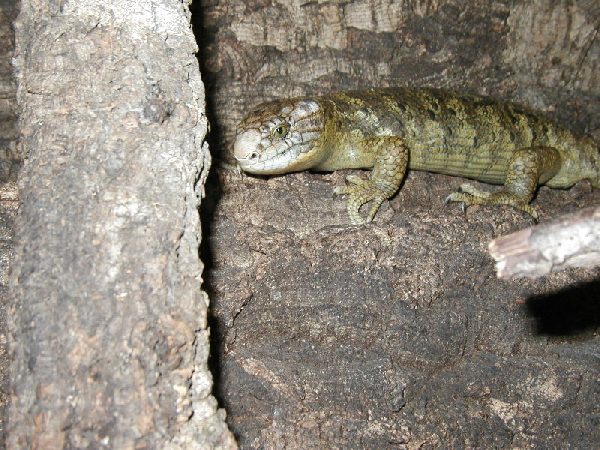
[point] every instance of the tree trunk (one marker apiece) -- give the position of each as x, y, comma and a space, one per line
10, 161
11, 157
108, 321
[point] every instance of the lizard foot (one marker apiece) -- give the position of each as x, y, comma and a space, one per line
361, 192
470, 195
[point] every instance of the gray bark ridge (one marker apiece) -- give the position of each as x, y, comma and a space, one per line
108, 320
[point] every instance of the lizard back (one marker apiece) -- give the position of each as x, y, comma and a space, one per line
456, 134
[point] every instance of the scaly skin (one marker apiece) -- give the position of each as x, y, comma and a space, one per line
390, 130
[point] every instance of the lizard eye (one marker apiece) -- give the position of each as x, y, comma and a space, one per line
280, 132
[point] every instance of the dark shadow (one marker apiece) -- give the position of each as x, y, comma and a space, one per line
213, 191
204, 38
207, 216
571, 312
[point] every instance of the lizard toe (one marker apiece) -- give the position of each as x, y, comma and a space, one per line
528, 209
360, 193
472, 196
467, 199
469, 189
342, 190
355, 179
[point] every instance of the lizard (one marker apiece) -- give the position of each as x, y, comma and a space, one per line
390, 130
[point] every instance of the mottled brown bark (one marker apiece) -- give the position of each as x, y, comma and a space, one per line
107, 323
10, 161
11, 155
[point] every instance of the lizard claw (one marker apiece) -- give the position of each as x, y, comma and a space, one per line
454, 197
449, 199
360, 192
469, 195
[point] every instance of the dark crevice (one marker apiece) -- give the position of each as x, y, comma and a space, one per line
214, 191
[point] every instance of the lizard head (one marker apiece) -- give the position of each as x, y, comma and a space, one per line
279, 137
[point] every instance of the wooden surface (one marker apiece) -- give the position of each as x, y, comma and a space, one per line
569, 241
107, 318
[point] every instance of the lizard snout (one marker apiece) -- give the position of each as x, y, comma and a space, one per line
246, 147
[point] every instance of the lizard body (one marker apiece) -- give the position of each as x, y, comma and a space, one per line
389, 130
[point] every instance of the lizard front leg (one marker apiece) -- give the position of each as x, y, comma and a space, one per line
527, 168
389, 169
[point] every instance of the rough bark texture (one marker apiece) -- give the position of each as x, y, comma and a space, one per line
10, 161
11, 156
569, 241
8, 210
397, 334
109, 338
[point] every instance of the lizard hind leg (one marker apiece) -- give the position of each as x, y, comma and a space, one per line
391, 160
527, 168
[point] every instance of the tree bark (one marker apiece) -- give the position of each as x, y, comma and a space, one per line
10, 161
569, 241
108, 321
11, 157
